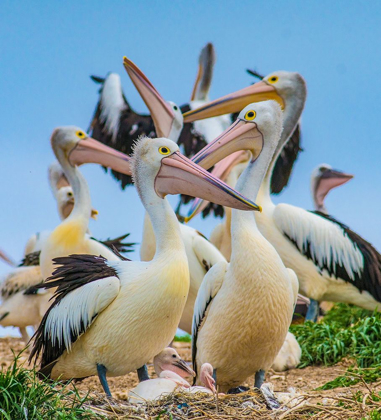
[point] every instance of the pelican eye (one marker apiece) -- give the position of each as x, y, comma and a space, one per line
250, 115
80, 134
164, 150
273, 79
175, 107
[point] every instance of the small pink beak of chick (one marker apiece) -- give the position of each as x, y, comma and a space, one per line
206, 377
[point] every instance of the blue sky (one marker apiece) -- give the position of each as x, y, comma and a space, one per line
48, 50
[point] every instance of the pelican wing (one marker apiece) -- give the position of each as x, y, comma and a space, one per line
208, 290
115, 123
207, 254
335, 250
20, 280
285, 162
86, 285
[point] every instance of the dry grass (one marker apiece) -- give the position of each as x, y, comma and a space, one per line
249, 405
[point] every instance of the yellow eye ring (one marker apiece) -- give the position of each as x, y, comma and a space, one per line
250, 115
80, 134
163, 150
273, 79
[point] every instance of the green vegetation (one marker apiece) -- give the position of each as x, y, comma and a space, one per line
186, 338
24, 396
346, 331
354, 375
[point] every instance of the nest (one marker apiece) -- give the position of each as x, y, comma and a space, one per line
248, 405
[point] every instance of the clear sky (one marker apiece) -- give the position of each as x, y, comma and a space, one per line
48, 49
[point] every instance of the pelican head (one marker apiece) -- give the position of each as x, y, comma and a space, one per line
323, 179
166, 116
206, 377
158, 162
169, 359
281, 86
255, 122
73, 146
241, 142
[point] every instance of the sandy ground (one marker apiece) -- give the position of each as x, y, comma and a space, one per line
303, 380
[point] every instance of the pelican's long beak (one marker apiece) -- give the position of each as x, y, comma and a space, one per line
161, 112
179, 175
240, 135
92, 151
235, 102
221, 170
182, 365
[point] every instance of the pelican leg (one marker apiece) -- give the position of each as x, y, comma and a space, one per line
259, 378
24, 334
215, 375
313, 311
101, 369
143, 373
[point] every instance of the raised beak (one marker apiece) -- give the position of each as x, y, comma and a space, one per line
331, 178
222, 171
7, 259
235, 102
161, 112
182, 365
92, 151
179, 175
240, 135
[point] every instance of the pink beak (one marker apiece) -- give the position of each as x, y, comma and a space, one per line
92, 151
161, 112
179, 175
235, 102
330, 179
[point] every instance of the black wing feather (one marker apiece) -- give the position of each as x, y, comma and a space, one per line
118, 244
31, 259
285, 162
131, 126
73, 272
370, 278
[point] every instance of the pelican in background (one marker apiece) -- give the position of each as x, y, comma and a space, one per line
323, 179
111, 317
22, 303
201, 254
331, 261
244, 308
116, 124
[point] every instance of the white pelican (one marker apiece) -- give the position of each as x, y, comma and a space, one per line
113, 316
244, 308
201, 254
331, 261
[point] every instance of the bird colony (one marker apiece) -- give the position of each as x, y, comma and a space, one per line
95, 312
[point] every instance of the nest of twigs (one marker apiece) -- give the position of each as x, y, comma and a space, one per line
344, 405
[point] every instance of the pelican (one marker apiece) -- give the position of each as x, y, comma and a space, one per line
116, 124
323, 179
171, 378
22, 303
244, 308
111, 317
171, 371
289, 355
331, 261
201, 254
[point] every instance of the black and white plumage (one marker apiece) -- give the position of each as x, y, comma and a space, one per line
57, 333
333, 247
116, 124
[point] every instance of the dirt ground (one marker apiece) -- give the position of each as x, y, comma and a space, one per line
302, 380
